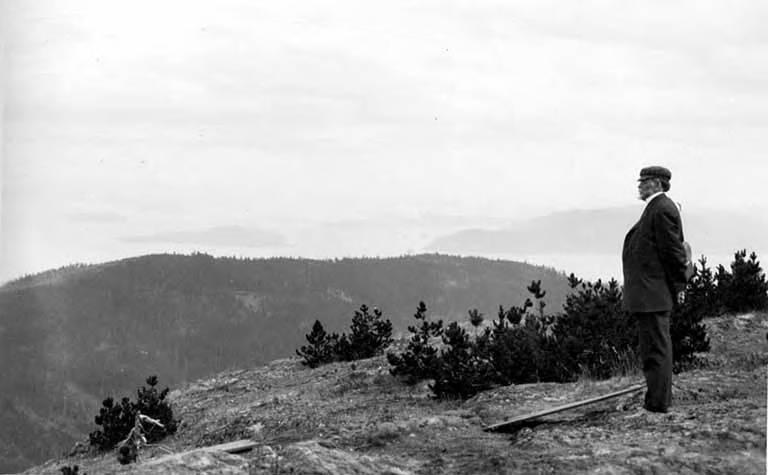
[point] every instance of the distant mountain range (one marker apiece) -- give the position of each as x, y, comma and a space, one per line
72, 336
602, 231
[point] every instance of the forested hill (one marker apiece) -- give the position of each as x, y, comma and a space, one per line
72, 336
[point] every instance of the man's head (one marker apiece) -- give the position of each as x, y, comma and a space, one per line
652, 180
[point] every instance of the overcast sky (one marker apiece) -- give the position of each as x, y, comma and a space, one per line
273, 128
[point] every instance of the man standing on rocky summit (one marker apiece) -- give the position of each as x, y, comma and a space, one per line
654, 261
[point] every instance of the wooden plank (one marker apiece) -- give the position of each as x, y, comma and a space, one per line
534, 415
234, 447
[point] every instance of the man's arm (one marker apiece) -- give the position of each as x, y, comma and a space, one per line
669, 242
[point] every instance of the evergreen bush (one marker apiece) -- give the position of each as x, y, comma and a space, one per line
593, 334
371, 333
689, 334
117, 420
513, 345
475, 318
463, 368
321, 348
152, 403
744, 288
419, 361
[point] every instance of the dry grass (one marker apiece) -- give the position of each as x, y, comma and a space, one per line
623, 364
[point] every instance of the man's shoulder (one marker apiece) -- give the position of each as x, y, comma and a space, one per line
663, 203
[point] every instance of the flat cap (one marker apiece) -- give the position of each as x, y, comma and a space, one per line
655, 172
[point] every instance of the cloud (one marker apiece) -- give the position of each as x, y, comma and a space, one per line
215, 236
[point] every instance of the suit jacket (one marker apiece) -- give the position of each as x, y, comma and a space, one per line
654, 258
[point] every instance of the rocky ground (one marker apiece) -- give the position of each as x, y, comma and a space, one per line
354, 418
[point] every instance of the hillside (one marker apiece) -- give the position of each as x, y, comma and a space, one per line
348, 418
69, 338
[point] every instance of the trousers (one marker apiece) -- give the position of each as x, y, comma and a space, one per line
655, 345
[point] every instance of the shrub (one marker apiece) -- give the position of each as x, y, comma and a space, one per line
67, 470
419, 361
689, 334
745, 287
127, 453
475, 318
152, 403
370, 335
463, 369
321, 348
513, 346
593, 334
701, 291
510, 352
117, 420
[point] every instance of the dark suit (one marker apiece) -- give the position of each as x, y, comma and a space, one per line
654, 262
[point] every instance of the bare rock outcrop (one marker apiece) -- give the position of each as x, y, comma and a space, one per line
312, 457
192, 462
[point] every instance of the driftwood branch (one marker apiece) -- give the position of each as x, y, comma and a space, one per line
128, 449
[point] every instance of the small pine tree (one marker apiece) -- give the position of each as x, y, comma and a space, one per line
475, 318
370, 334
745, 287
152, 403
514, 352
419, 360
116, 420
322, 347
701, 290
461, 370
535, 289
594, 330
513, 345
127, 453
688, 332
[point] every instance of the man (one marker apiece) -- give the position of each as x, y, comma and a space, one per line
655, 264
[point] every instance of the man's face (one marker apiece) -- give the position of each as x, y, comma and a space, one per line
647, 187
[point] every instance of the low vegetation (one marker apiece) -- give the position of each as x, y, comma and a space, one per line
117, 419
370, 334
420, 358
744, 288
593, 336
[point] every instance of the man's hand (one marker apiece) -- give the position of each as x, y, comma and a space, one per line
681, 297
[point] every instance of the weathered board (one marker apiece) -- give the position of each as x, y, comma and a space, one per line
234, 447
534, 415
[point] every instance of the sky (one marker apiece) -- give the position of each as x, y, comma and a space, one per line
353, 127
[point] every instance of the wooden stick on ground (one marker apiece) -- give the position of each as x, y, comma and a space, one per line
235, 447
534, 415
